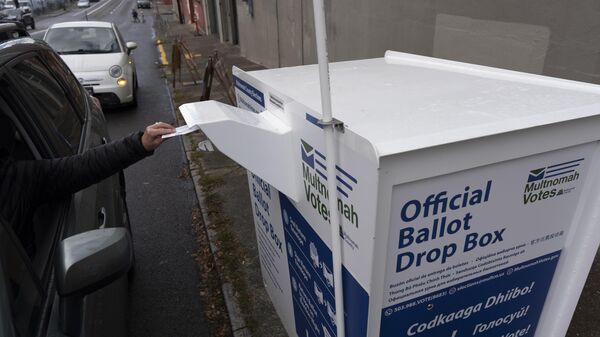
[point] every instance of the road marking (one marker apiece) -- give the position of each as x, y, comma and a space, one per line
97, 9
94, 9
119, 6
163, 55
38, 32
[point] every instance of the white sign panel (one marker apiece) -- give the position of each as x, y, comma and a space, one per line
473, 253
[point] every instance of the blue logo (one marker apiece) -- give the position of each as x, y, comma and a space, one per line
537, 174
553, 170
308, 154
317, 161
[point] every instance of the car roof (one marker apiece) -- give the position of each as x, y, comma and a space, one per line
13, 48
97, 24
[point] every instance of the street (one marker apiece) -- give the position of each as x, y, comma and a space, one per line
164, 290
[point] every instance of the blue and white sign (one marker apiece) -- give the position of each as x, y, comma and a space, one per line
474, 253
311, 277
506, 303
248, 97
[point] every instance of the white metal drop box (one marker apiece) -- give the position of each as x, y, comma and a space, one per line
469, 195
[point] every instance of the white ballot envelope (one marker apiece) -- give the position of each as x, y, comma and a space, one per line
182, 130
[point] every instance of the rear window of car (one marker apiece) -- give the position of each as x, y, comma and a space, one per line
82, 40
10, 12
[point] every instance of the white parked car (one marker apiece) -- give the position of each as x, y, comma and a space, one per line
99, 57
83, 4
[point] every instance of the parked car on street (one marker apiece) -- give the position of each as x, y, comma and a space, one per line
8, 5
47, 285
10, 30
144, 4
22, 15
99, 57
83, 3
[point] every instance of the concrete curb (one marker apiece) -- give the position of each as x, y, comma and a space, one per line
247, 308
234, 312
236, 318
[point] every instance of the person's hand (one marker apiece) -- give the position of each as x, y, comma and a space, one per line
151, 139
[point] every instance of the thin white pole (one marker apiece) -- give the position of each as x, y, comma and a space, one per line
331, 148
321, 37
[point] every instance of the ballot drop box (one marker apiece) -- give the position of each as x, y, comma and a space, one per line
469, 195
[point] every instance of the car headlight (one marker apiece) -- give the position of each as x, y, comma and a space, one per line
115, 71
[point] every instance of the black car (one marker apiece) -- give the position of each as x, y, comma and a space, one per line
10, 30
69, 278
22, 15
144, 4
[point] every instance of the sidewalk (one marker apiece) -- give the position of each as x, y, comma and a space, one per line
222, 190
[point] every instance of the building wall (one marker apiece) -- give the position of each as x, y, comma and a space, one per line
259, 34
559, 38
185, 12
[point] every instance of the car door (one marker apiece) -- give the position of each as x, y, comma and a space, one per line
77, 127
27, 259
19, 288
57, 106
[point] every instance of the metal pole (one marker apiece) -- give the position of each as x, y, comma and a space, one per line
331, 148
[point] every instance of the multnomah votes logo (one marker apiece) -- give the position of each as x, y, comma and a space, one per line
551, 181
314, 174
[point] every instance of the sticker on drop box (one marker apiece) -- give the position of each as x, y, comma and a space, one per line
248, 97
473, 253
311, 277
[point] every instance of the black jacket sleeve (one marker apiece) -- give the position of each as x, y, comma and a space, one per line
63, 176
25, 184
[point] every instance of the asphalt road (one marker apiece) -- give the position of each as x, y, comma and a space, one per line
164, 291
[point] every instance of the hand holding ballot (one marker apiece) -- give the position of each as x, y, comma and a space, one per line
182, 130
152, 137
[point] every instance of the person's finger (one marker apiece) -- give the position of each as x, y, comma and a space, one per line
159, 132
162, 125
159, 129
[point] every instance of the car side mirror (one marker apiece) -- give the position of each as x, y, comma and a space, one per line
85, 263
130, 46
88, 261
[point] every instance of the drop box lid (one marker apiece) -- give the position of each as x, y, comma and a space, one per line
405, 102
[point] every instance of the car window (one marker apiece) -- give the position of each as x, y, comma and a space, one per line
38, 227
73, 87
24, 291
52, 102
82, 40
9, 102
